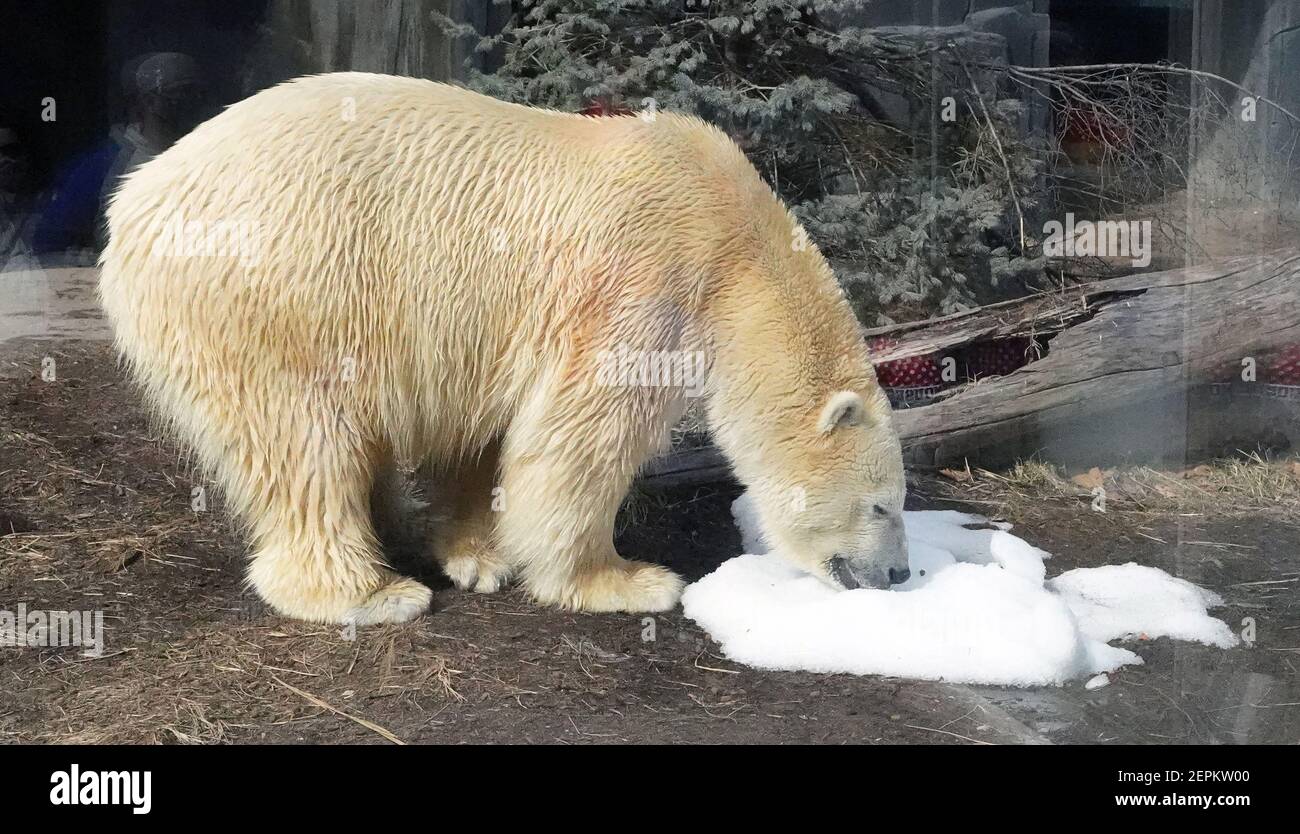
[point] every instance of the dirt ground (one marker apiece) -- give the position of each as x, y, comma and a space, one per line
95, 513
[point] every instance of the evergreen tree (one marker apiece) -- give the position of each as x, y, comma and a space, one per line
916, 221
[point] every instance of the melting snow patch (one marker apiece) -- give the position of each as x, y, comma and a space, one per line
976, 610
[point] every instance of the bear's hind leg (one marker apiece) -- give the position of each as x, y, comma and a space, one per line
396, 508
568, 461
316, 554
464, 543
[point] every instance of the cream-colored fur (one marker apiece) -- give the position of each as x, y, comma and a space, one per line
433, 279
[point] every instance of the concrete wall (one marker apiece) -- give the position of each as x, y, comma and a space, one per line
389, 36
1255, 43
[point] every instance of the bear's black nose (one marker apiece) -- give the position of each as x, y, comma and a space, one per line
897, 576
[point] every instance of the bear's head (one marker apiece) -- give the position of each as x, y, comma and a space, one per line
795, 405
838, 514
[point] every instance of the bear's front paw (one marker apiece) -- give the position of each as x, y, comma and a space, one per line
400, 601
625, 586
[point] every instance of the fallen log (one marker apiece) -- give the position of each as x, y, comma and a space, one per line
1115, 370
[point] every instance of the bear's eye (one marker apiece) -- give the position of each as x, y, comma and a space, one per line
879, 511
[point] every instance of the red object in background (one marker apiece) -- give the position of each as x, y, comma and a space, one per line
1283, 367
605, 107
998, 357
1229, 370
1087, 133
1280, 367
914, 372
1088, 125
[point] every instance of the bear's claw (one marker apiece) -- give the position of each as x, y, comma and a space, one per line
476, 573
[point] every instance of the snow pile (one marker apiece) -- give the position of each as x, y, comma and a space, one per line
976, 610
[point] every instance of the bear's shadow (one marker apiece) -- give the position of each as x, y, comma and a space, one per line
686, 529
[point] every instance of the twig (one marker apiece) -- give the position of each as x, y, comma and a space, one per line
947, 733
369, 725
1172, 69
997, 141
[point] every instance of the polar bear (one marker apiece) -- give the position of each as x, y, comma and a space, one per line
350, 273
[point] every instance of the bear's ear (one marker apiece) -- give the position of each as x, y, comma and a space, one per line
844, 408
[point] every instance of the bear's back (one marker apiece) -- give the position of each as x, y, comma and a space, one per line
383, 161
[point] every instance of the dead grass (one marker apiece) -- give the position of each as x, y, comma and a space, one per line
1248, 485
221, 681
40, 478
